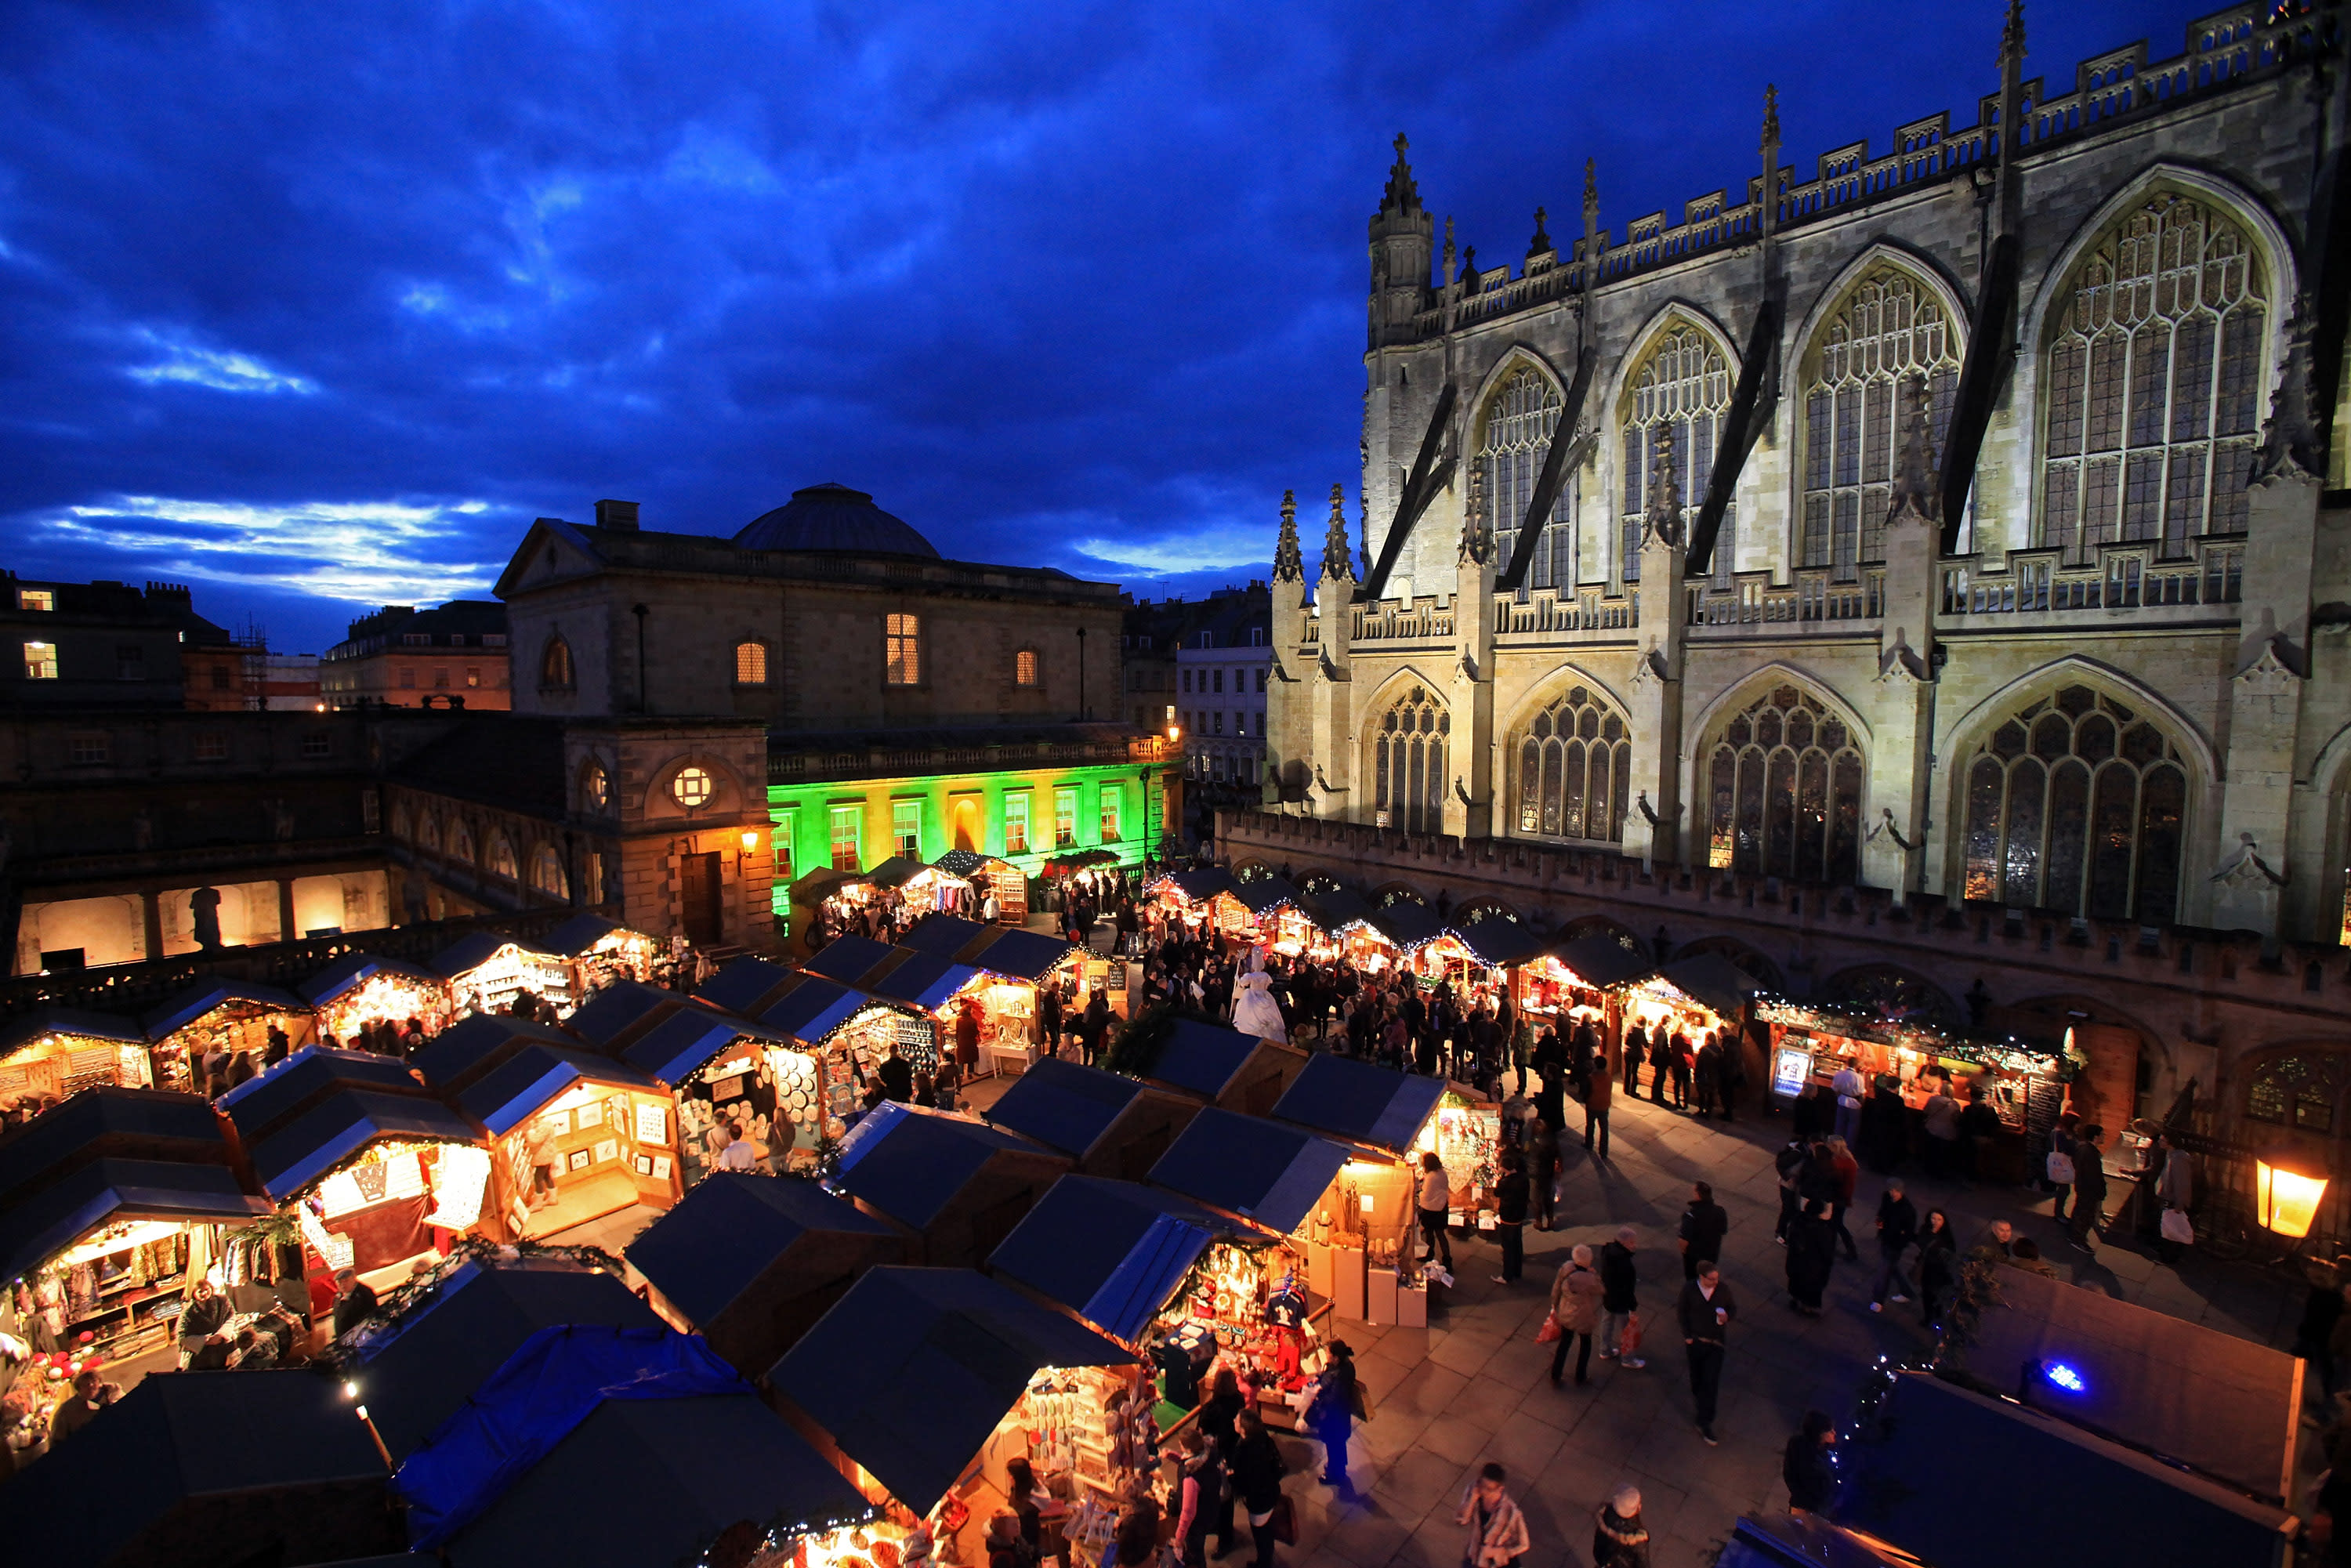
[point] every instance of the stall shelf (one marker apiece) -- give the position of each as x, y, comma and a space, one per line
1109, 1124
848, 1035
51, 1052
361, 988
607, 1132
226, 1016
955, 1185
756, 1077
484, 972
750, 1262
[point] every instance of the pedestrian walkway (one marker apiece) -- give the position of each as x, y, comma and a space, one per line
1475, 1387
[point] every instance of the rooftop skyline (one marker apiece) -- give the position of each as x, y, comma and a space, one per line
316, 318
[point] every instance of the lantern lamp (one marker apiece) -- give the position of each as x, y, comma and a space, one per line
2287, 1189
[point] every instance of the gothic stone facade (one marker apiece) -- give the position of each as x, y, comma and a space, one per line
2115, 688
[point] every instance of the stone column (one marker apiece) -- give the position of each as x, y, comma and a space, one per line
285, 931
1471, 695
150, 905
1898, 794
1651, 832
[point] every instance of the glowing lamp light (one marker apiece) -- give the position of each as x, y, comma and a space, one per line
1175, 733
2287, 1190
750, 842
351, 1390
2066, 1377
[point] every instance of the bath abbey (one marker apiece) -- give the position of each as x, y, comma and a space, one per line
1962, 522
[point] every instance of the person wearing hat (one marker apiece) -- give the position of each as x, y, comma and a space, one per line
1619, 1539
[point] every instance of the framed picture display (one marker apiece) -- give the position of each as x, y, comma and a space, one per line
607, 1149
644, 1163
591, 1114
577, 1160
559, 1122
661, 1167
653, 1123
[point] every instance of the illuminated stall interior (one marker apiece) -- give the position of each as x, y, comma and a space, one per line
1571, 979
2025, 1084
1694, 997
224, 1016
1382, 1117
1190, 896
601, 952
485, 973
360, 988
50, 1053
848, 1035
988, 874
376, 1180
1483, 957
576, 1137
755, 1079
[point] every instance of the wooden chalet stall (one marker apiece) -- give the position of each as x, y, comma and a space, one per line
1212, 1063
52, 1052
1108, 1123
486, 972
1580, 977
953, 1185
986, 875
1387, 1120
360, 988
226, 1018
601, 951
1286, 1181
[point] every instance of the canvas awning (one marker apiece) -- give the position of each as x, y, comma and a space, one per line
1114, 1252
617, 1014
266, 1102
196, 1001
1064, 1106
1260, 1170
728, 1230
32, 1027
473, 1046
36, 1228
912, 1369
352, 970
1497, 942
967, 864
532, 1079
108, 1119
848, 959
320, 1139
1601, 961
1370, 1106
909, 1163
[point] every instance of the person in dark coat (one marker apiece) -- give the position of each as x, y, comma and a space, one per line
1256, 1471
354, 1303
1812, 1254
2089, 1187
1512, 1194
2322, 1309
1810, 1118
1619, 1279
1619, 1539
1331, 1413
1703, 1226
1884, 1129
1809, 1466
1938, 1266
1898, 1228
1636, 1050
1219, 1422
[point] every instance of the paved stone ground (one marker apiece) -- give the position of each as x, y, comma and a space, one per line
1474, 1386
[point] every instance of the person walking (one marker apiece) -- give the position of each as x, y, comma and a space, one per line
1848, 1088
1511, 1197
2089, 1187
1618, 1282
1542, 1171
1704, 1224
1575, 1295
1811, 1255
1599, 1086
1898, 1228
1619, 1539
1434, 1204
1938, 1266
2057, 1167
1498, 1531
1203, 1497
1846, 1173
1256, 1471
1706, 1309
1809, 1466
1330, 1415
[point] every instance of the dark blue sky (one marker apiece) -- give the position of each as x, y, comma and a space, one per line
314, 307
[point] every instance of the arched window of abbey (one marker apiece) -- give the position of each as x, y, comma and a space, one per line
1782, 784
1409, 764
2076, 803
2152, 377
1514, 435
1682, 388
1575, 769
1858, 383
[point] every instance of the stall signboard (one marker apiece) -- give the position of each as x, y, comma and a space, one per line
1792, 1069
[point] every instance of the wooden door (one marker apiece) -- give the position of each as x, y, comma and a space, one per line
699, 889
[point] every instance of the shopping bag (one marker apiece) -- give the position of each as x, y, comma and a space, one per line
1548, 1329
2177, 1227
1285, 1520
1632, 1345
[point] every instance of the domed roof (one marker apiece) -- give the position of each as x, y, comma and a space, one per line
833, 517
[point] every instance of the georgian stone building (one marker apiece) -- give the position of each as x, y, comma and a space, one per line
1958, 521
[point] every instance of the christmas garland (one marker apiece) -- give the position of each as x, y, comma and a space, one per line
397, 1306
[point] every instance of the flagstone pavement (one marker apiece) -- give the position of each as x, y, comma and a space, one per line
1474, 1385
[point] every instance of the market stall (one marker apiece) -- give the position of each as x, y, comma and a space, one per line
1389, 1120
748, 986
1483, 959
375, 1179
935, 889
225, 1017
1576, 979
954, 1185
470, 1049
822, 896
1213, 1063
848, 1035
1108, 1123
1188, 896
360, 988
848, 960
486, 972
750, 1263
601, 952
51, 1052
1695, 998
577, 1136
725, 1069
989, 875
1003, 1013
1267, 911
956, 1374
263, 1106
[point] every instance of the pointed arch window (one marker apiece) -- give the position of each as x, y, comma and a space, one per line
1514, 437
1857, 389
2153, 371
502, 858
1783, 792
2298, 1091
2077, 804
1681, 391
546, 873
1409, 764
1575, 768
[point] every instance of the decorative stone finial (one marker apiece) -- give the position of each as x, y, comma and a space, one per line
1917, 488
2289, 446
1450, 255
1401, 196
1542, 242
1771, 118
1591, 186
1335, 562
2011, 33
1664, 517
1289, 562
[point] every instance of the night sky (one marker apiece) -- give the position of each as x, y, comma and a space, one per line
314, 307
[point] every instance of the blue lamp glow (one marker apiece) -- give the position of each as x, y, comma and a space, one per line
2066, 1377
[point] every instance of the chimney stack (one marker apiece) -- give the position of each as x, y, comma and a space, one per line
617, 515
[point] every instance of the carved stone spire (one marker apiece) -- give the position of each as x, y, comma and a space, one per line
1542, 242
1289, 562
1770, 119
1917, 484
1335, 558
1664, 517
2290, 437
1592, 185
1450, 255
2011, 33
1402, 196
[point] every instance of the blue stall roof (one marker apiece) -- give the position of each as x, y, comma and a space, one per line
729, 1230
1260, 1170
355, 968
657, 1481
200, 999
1023, 954
621, 1011
476, 948
581, 934
1064, 1106
120, 1489
1337, 909
34, 1229
848, 959
290, 1162
925, 980
1111, 1251
1202, 1058
470, 1046
1602, 960
1268, 894
944, 935
262, 1104
110, 1119
522, 1086
1374, 1107
913, 1368
691, 1038
804, 1003
1498, 943
896, 871
744, 984
909, 1162
1408, 924
423, 1370
41, 1022
1195, 885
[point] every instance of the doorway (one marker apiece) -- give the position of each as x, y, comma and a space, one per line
966, 830
699, 892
